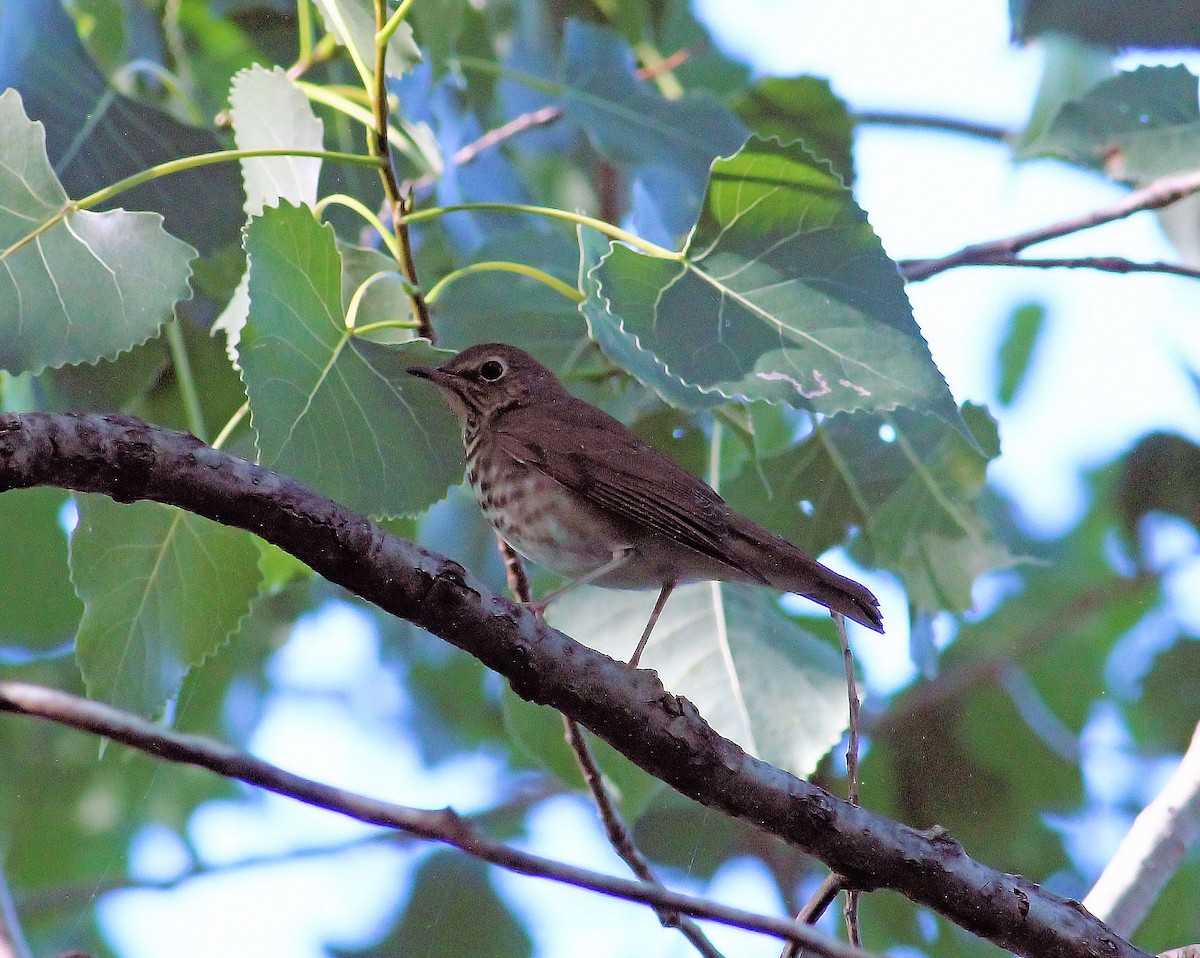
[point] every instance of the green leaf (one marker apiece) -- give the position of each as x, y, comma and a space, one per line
96, 136
1025, 327
783, 293
802, 108
162, 590
332, 409
268, 111
1136, 126
913, 499
75, 286
353, 23
35, 564
453, 902
731, 651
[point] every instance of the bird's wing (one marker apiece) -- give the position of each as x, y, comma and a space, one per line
596, 456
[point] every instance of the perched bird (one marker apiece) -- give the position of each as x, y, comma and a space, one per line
570, 487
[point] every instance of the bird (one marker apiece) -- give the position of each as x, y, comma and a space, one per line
573, 489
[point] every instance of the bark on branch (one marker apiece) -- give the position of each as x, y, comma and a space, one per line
127, 459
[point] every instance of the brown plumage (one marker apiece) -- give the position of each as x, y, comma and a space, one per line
573, 489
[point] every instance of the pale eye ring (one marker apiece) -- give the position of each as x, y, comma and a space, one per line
491, 370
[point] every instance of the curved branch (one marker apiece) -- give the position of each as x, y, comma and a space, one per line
439, 825
1160, 193
1153, 850
127, 459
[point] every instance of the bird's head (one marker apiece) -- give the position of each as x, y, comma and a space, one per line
483, 380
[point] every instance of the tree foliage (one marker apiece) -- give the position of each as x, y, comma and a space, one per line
598, 184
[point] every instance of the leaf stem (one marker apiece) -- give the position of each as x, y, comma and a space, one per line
389, 29
556, 284
206, 159
350, 202
187, 382
333, 14
234, 421
366, 284
304, 27
614, 232
328, 96
480, 65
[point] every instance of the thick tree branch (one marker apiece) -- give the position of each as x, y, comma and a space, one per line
127, 460
1160, 193
440, 825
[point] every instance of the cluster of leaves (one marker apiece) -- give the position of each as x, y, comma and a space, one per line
725, 296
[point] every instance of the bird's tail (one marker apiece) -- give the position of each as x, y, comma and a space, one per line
783, 566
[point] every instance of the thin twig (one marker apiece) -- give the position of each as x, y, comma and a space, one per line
814, 908
520, 801
615, 829
439, 825
1160, 193
621, 838
851, 908
538, 118
1107, 264
944, 124
492, 138
399, 201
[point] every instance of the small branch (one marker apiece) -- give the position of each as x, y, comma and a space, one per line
614, 827
493, 138
399, 201
942, 124
1160, 193
1107, 264
537, 118
12, 939
825, 895
440, 825
1152, 851
73, 896
621, 839
851, 908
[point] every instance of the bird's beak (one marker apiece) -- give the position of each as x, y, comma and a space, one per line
449, 385
438, 377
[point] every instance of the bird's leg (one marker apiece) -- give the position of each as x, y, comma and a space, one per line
667, 588
619, 558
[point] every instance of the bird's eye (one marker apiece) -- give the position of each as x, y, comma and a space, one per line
492, 370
